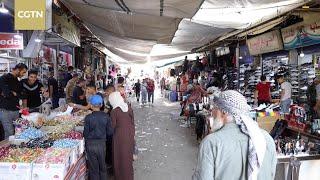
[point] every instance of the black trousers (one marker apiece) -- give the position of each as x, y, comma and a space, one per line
138, 95
96, 159
109, 158
1, 132
151, 97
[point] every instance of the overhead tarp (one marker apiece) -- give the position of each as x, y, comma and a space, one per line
191, 34
171, 8
135, 27
240, 14
114, 40
137, 31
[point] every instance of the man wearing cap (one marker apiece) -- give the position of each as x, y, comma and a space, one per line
97, 127
238, 149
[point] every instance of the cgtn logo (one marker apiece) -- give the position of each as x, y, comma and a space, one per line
31, 14
11, 41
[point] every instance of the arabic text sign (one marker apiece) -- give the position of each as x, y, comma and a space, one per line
300, 35
11, 41
265, 43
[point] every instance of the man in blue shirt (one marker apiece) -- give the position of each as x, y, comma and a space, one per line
97, 126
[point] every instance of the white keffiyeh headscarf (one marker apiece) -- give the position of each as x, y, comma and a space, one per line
116, 100
235, 104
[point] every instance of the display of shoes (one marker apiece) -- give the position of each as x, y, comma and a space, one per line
304, 88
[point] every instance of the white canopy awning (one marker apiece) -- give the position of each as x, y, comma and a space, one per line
142, 30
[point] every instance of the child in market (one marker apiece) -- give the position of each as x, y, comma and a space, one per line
97, 126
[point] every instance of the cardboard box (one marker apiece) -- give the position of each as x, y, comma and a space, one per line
15, 171
50, 171
43, 171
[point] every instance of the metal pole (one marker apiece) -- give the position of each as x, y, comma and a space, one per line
55, 62
238, 65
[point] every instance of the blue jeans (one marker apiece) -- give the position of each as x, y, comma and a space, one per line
144, 95
285, 106
7, 118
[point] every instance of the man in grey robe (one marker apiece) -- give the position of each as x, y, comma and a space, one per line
237, 149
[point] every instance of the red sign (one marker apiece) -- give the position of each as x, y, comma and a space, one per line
11, 41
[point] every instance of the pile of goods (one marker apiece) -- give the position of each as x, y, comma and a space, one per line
43, 141
65, 143
53, 156
21, 155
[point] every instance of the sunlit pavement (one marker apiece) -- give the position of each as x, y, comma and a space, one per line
167, 151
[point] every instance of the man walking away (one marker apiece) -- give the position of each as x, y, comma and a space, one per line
162, 84
137, 89
238, 149
150, 89
144, 92
10, 90
96, 129
53, 90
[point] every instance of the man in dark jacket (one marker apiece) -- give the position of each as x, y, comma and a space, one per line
97, 128
10, 91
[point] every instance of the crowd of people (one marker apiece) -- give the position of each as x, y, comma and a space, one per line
145, 91
108, 131
237, 148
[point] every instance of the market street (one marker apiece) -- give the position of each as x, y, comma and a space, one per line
167, 151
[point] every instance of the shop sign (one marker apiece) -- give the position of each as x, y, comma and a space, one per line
265, 43
11, 41
303, 34
30, 15
66, 28
221, 51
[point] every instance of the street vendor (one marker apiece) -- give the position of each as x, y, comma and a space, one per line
91, 90
262, 93
285, 97
32, 89
78, 95
10, 91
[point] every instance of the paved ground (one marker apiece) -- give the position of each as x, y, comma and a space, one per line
167, 151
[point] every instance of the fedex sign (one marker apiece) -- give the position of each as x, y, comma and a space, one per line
9, 41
